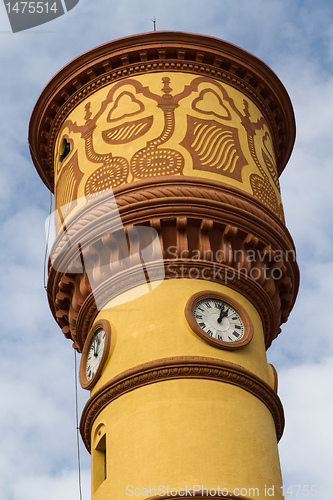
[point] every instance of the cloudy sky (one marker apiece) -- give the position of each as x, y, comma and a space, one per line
38, 454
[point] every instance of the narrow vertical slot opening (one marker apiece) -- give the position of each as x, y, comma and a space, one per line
99, 462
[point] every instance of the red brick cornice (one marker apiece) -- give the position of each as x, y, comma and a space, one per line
157, 52
180, 367
190, 215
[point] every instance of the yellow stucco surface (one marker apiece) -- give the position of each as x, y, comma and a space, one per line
182, 433
185, 432
154, 326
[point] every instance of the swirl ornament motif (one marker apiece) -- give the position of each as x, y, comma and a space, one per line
110, 175
214, 147
127, 132
260, 184
70, 178
154, 161
271, 168
262, 190
150, 162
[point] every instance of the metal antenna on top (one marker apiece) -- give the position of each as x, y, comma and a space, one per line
154, 22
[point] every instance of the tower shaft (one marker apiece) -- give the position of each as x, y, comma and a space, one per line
164, 152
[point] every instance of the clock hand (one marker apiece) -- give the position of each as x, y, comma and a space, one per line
223, 313
95, 347
99, 340
219, 319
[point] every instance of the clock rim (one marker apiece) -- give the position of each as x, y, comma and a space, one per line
239, 309
85, 383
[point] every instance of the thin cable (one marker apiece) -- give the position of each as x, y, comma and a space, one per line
77, 427
75, 361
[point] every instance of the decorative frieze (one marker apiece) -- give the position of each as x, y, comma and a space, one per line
205, 230
180, 367
141, 54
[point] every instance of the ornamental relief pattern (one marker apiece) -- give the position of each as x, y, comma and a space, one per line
134, 133
66, 193
217, 231
214, 147
180, 367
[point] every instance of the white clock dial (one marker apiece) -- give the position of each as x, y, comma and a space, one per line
95, 353
216, 318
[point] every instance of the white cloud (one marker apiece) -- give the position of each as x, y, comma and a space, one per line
306, 448
52, 487
38, 416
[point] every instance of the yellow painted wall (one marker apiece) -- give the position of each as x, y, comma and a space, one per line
182, 432
188, 432
154, 326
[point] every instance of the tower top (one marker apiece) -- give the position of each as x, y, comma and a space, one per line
158, 51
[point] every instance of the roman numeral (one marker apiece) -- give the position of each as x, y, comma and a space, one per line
207, 304
236, 334
238, 327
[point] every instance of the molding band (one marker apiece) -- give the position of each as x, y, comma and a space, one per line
179, 367
190, 215
179, 268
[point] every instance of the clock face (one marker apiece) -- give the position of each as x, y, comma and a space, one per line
219, 320
95, 353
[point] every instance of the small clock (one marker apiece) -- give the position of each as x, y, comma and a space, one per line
219, 320
94, 354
